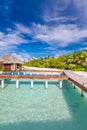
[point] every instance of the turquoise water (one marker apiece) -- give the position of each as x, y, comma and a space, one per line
40, 108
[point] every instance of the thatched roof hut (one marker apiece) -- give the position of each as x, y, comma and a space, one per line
10, 63
8, 59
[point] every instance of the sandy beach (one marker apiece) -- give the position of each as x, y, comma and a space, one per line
81, 73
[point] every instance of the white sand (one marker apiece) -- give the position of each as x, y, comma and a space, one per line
36, 68
82, 73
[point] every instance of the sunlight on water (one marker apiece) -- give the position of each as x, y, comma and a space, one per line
37, 104
56, 108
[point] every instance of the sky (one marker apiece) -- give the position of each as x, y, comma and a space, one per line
38, 28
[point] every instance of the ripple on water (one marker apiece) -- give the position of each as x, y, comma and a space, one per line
40, 104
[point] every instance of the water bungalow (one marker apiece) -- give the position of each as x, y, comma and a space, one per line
10, 63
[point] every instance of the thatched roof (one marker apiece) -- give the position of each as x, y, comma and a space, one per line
8, 59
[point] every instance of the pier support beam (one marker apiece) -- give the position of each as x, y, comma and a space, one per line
46, 84
82, 93
17, 83
2, 83
61, 84
74, 86
71, 82
32, 85
23, 73
18, 73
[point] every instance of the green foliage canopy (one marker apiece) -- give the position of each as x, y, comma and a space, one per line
73, 61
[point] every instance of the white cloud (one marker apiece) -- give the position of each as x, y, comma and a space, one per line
50, 48
81, 6
55, 9
56, 36
7, 50
84, 48
59, 19
11, 39
22, 56
9, 42
61, 35
62, 52
22, 29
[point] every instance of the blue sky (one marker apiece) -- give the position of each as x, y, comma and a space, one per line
37, 28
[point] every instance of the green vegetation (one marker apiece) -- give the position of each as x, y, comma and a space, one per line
1, 68
74, 61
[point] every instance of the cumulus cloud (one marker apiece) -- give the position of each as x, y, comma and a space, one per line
7, 49
11, 39
56, 30
60, 35
57, 13
22, 55
22, 29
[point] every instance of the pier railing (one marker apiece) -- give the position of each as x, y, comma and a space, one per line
43, 77
78, 80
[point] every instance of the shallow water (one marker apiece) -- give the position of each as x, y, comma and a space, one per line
40, 108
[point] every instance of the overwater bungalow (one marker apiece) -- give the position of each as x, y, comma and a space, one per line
10, 63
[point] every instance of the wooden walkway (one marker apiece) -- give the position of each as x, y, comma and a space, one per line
78, 80
44, 77
31, 78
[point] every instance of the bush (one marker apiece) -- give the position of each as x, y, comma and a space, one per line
1, 68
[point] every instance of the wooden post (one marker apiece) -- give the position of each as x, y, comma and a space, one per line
18, 73
61, 84
17, 83
71, 82
24, 73
74, 86
32, 84
82, 93
2, 83
46, 84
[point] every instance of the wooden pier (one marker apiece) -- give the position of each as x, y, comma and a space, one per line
78, 80
44, 77
31, 78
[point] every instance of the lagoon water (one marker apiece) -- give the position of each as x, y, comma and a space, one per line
40, 108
